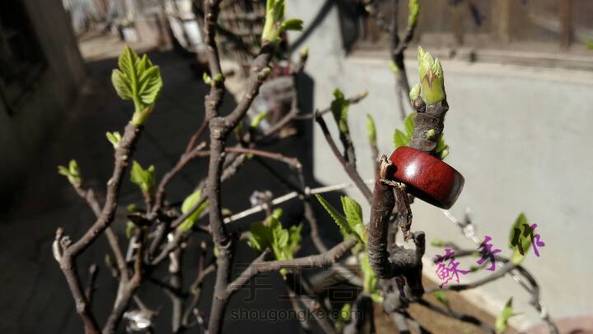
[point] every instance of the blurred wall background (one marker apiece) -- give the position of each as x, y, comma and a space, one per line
520, 135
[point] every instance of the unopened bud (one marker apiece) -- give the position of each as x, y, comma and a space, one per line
432, 80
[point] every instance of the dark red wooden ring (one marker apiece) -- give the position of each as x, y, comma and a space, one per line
427, 177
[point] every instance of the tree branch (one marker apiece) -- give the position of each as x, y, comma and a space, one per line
68, 252
321, 260
350, 170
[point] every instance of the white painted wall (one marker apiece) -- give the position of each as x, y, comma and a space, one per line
521, 137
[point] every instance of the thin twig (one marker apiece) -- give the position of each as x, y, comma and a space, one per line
348, 168
69, 252
320, 260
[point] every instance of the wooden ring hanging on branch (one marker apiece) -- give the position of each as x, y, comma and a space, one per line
427, 177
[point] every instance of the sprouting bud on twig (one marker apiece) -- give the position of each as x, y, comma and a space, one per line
72, 173
415, 92
275, 24
114, 138
413, 11
432, 81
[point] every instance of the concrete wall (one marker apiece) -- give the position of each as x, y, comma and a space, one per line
22, 134
521, 137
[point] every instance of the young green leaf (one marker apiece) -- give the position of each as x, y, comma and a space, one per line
442, 148
346, 312
414, 92
403, 138
519, 242
339, 108
136, 79
441, 297
344, 317
72, 173
275, 25
291, 24
502, 320
413, 11
260, 237
409, 124
190, 201
114, 138
371, 130
400, 138
304, 53
370, 282
258, 119
351, 225
353, 213
437, 243
338, 218
143, 178
284, 243
207, 79
393, 67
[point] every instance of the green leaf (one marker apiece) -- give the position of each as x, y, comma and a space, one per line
370, 282
409, 124
190, 201
304, 52
522, 242
258, 119
72, 173
260, 237
284, 243
403, 138
352, 210
150, 85
206, 78
437, 243
353, 213
138, 80
339, 108
143, 178
400, 138
393, 67
291, 24
589, 44
413, 11
371, 130
414, 92
345, 312
350, 225
502, 320
441, 297
275, 24
131, 208
114, 138
122, 85
338, 218
442, 148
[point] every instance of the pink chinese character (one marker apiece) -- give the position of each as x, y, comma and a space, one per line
487, 253
447, 272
